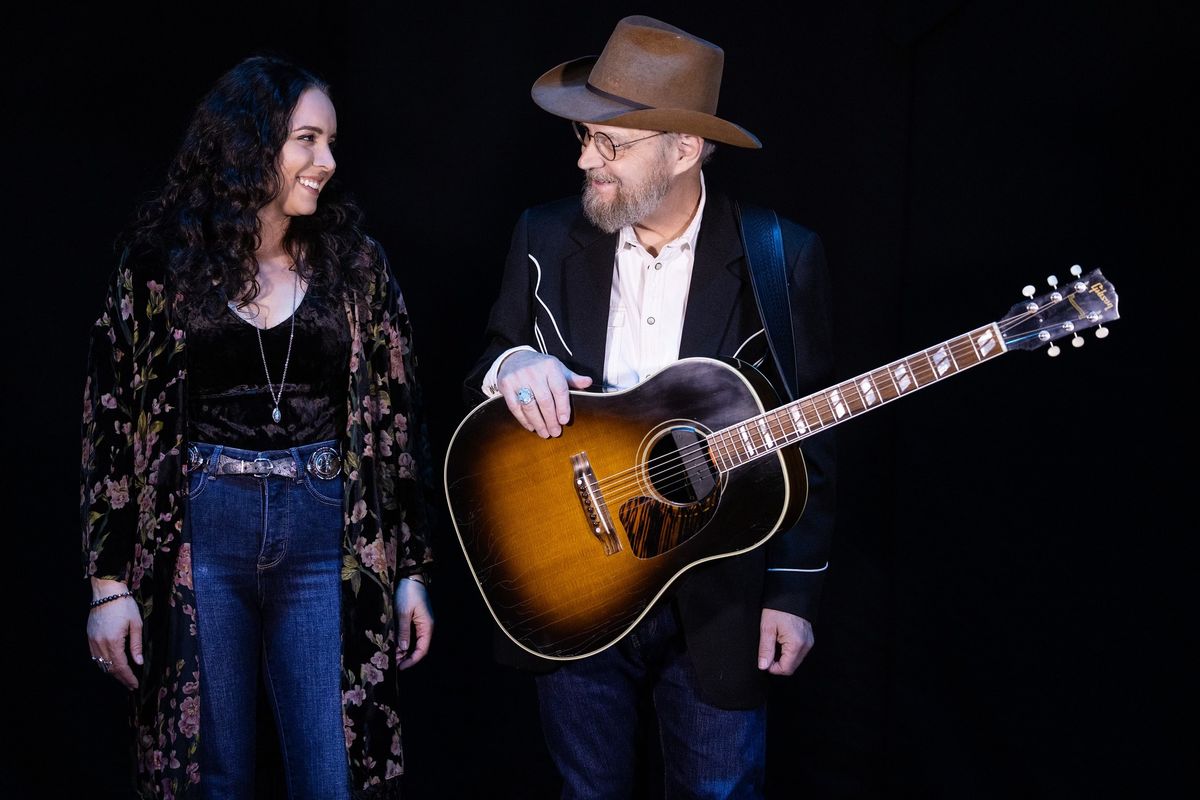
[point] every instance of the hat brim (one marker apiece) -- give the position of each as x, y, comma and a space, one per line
563, 91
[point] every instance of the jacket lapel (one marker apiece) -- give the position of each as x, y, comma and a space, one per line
587, 286
717, 281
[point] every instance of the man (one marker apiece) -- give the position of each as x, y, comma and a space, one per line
598, 295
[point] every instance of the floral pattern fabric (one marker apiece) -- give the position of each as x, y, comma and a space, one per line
133, 502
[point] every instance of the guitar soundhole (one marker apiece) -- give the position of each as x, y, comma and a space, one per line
679, 468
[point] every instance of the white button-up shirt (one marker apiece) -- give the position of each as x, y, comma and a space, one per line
647, 303
645, 309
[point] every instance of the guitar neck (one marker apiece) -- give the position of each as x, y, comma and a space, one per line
762, 435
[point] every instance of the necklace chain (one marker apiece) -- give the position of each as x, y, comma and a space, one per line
277, 396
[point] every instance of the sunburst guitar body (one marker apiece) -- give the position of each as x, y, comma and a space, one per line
572, 539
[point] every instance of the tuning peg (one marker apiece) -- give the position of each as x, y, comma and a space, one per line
1053, 351
1030, 291
1101, 331
1079, 286
1077, 340
1055, 296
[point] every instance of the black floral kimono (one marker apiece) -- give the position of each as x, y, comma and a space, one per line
134, 500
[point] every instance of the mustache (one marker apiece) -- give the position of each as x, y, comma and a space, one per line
597, 176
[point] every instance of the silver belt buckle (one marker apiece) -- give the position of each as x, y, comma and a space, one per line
261, 467
195, 461
324, 463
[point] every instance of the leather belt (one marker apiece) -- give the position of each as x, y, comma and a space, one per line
323, 463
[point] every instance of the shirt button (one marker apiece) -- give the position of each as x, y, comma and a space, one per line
658, 266
650, 320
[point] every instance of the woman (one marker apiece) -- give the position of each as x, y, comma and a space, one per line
252, 488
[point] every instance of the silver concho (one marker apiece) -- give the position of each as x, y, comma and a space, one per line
324, 463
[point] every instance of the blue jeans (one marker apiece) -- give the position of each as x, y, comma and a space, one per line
589, 717
266, 565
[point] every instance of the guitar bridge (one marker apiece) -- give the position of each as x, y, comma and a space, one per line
594, 507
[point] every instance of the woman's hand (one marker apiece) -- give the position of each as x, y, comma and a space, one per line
112, 627
414, 621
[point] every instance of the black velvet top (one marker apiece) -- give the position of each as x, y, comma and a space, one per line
228, 400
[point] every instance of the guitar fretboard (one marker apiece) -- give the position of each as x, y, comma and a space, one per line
766, 433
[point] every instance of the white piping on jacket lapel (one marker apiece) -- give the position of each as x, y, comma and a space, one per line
762, 358
748, 338
537, 331
793, 569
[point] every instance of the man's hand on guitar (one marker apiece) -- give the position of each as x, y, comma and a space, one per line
543, 382
783, 641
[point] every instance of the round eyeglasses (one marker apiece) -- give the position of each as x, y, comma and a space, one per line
605, 146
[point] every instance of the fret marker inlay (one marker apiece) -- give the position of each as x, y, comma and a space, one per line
986, 343
749, 445
941, 360
835, 400
867, 390
901, 376
766, 434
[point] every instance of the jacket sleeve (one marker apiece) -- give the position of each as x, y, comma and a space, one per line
108, 505
510, 323
798, 558
406, 480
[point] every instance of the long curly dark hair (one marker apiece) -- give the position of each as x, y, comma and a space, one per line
204, 221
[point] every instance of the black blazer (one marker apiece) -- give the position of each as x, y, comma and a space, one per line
555, 297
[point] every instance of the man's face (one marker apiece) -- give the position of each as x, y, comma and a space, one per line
629, 189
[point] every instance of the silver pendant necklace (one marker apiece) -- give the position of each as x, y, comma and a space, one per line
276, 396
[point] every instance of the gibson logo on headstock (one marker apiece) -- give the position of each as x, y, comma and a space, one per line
1098, 290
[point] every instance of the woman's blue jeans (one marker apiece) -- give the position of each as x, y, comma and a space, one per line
266, 560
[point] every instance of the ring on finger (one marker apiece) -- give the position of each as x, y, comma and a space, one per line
524, 395
103, 663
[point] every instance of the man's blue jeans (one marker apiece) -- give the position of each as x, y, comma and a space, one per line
266, 561
589, 717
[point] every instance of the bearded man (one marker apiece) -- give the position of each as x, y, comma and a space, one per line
599, 293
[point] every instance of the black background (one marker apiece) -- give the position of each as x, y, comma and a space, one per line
1006, 608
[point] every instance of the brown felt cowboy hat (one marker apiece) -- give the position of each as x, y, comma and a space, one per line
651, 76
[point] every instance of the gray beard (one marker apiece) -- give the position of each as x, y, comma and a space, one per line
631, 205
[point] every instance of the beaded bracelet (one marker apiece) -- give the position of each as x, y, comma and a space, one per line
104, 600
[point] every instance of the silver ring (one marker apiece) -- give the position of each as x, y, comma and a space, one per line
524, 395
103, 663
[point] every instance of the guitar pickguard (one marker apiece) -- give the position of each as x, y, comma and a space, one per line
654, 527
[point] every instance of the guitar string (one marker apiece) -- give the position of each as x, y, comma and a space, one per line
693, 455
660, 473
659, 468
774, 420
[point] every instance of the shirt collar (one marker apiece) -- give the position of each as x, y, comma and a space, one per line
685, 241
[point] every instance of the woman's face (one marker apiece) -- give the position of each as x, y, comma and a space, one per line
306, 163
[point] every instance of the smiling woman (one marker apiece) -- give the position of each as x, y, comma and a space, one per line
306, 161
254, 463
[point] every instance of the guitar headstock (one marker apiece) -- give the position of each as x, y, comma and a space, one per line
1085, 301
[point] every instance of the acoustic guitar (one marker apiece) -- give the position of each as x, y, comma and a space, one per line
572, 539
